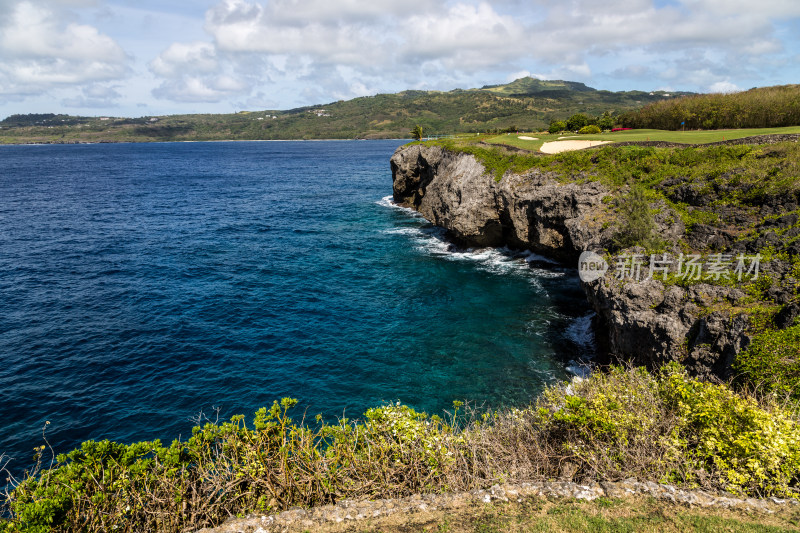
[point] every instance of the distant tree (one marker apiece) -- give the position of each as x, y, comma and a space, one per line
606, 121
591, 129
557, 126
636, 224
577, 121
416, 132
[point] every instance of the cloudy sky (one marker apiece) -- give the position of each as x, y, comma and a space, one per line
149, 57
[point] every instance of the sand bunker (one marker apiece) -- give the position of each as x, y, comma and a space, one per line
555, 147
526, 138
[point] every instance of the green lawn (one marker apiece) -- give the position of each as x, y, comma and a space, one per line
688, 137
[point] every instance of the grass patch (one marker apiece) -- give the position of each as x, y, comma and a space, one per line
733, 175
684, 137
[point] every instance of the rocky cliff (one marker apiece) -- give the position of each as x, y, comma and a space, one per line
647, 322
531, 211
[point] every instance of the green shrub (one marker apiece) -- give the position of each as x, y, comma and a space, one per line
750, 447
636, 226
607, 407
772, 362
591, 129
614, 424
605, 121
577, 121
557, 126
611, 426
227, 468
765, 107
675, 428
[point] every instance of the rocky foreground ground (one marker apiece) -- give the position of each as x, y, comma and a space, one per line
363, 515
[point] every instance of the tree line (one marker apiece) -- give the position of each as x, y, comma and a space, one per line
579, 121
767, 107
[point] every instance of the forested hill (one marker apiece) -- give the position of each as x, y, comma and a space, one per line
760, 107
525, 104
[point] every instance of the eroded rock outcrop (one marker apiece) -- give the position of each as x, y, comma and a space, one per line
645, 321
532, 211
650, 324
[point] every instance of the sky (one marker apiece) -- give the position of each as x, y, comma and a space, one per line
133, 58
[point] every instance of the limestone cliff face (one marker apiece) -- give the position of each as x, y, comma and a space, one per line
650, 324
531, 211
645, 322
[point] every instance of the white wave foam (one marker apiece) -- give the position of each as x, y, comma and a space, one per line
579, 370
402, 231
531, 257
494, 260
388, 201
581, 333
431, 240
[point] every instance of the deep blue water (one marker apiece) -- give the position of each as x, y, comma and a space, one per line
141, 284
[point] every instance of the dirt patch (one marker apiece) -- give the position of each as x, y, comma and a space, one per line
422, 511
635, 514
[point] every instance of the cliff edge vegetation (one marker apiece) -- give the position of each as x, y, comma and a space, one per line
622, 424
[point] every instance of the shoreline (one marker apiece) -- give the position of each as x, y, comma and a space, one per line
200, 141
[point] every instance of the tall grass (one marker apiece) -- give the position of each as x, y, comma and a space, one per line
767, 107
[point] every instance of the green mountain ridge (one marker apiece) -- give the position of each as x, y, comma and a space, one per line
531, 86
525, 104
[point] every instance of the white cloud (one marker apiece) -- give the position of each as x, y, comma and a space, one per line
584, 27
426, 44
723, 87
283, 53
196, 89
336, 11
370, 39
94, 96
519, 74
192, 72
764, 8
328, 36
42, 48
197, 57
465, 38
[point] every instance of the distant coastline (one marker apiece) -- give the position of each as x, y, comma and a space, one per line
526, 104
57, 143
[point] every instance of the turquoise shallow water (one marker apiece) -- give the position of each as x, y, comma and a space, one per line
144, 283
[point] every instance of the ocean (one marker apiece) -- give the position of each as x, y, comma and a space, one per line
144, 287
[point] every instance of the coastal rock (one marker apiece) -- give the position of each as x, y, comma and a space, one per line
529, 211
644, 322
451, 191
651, 324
